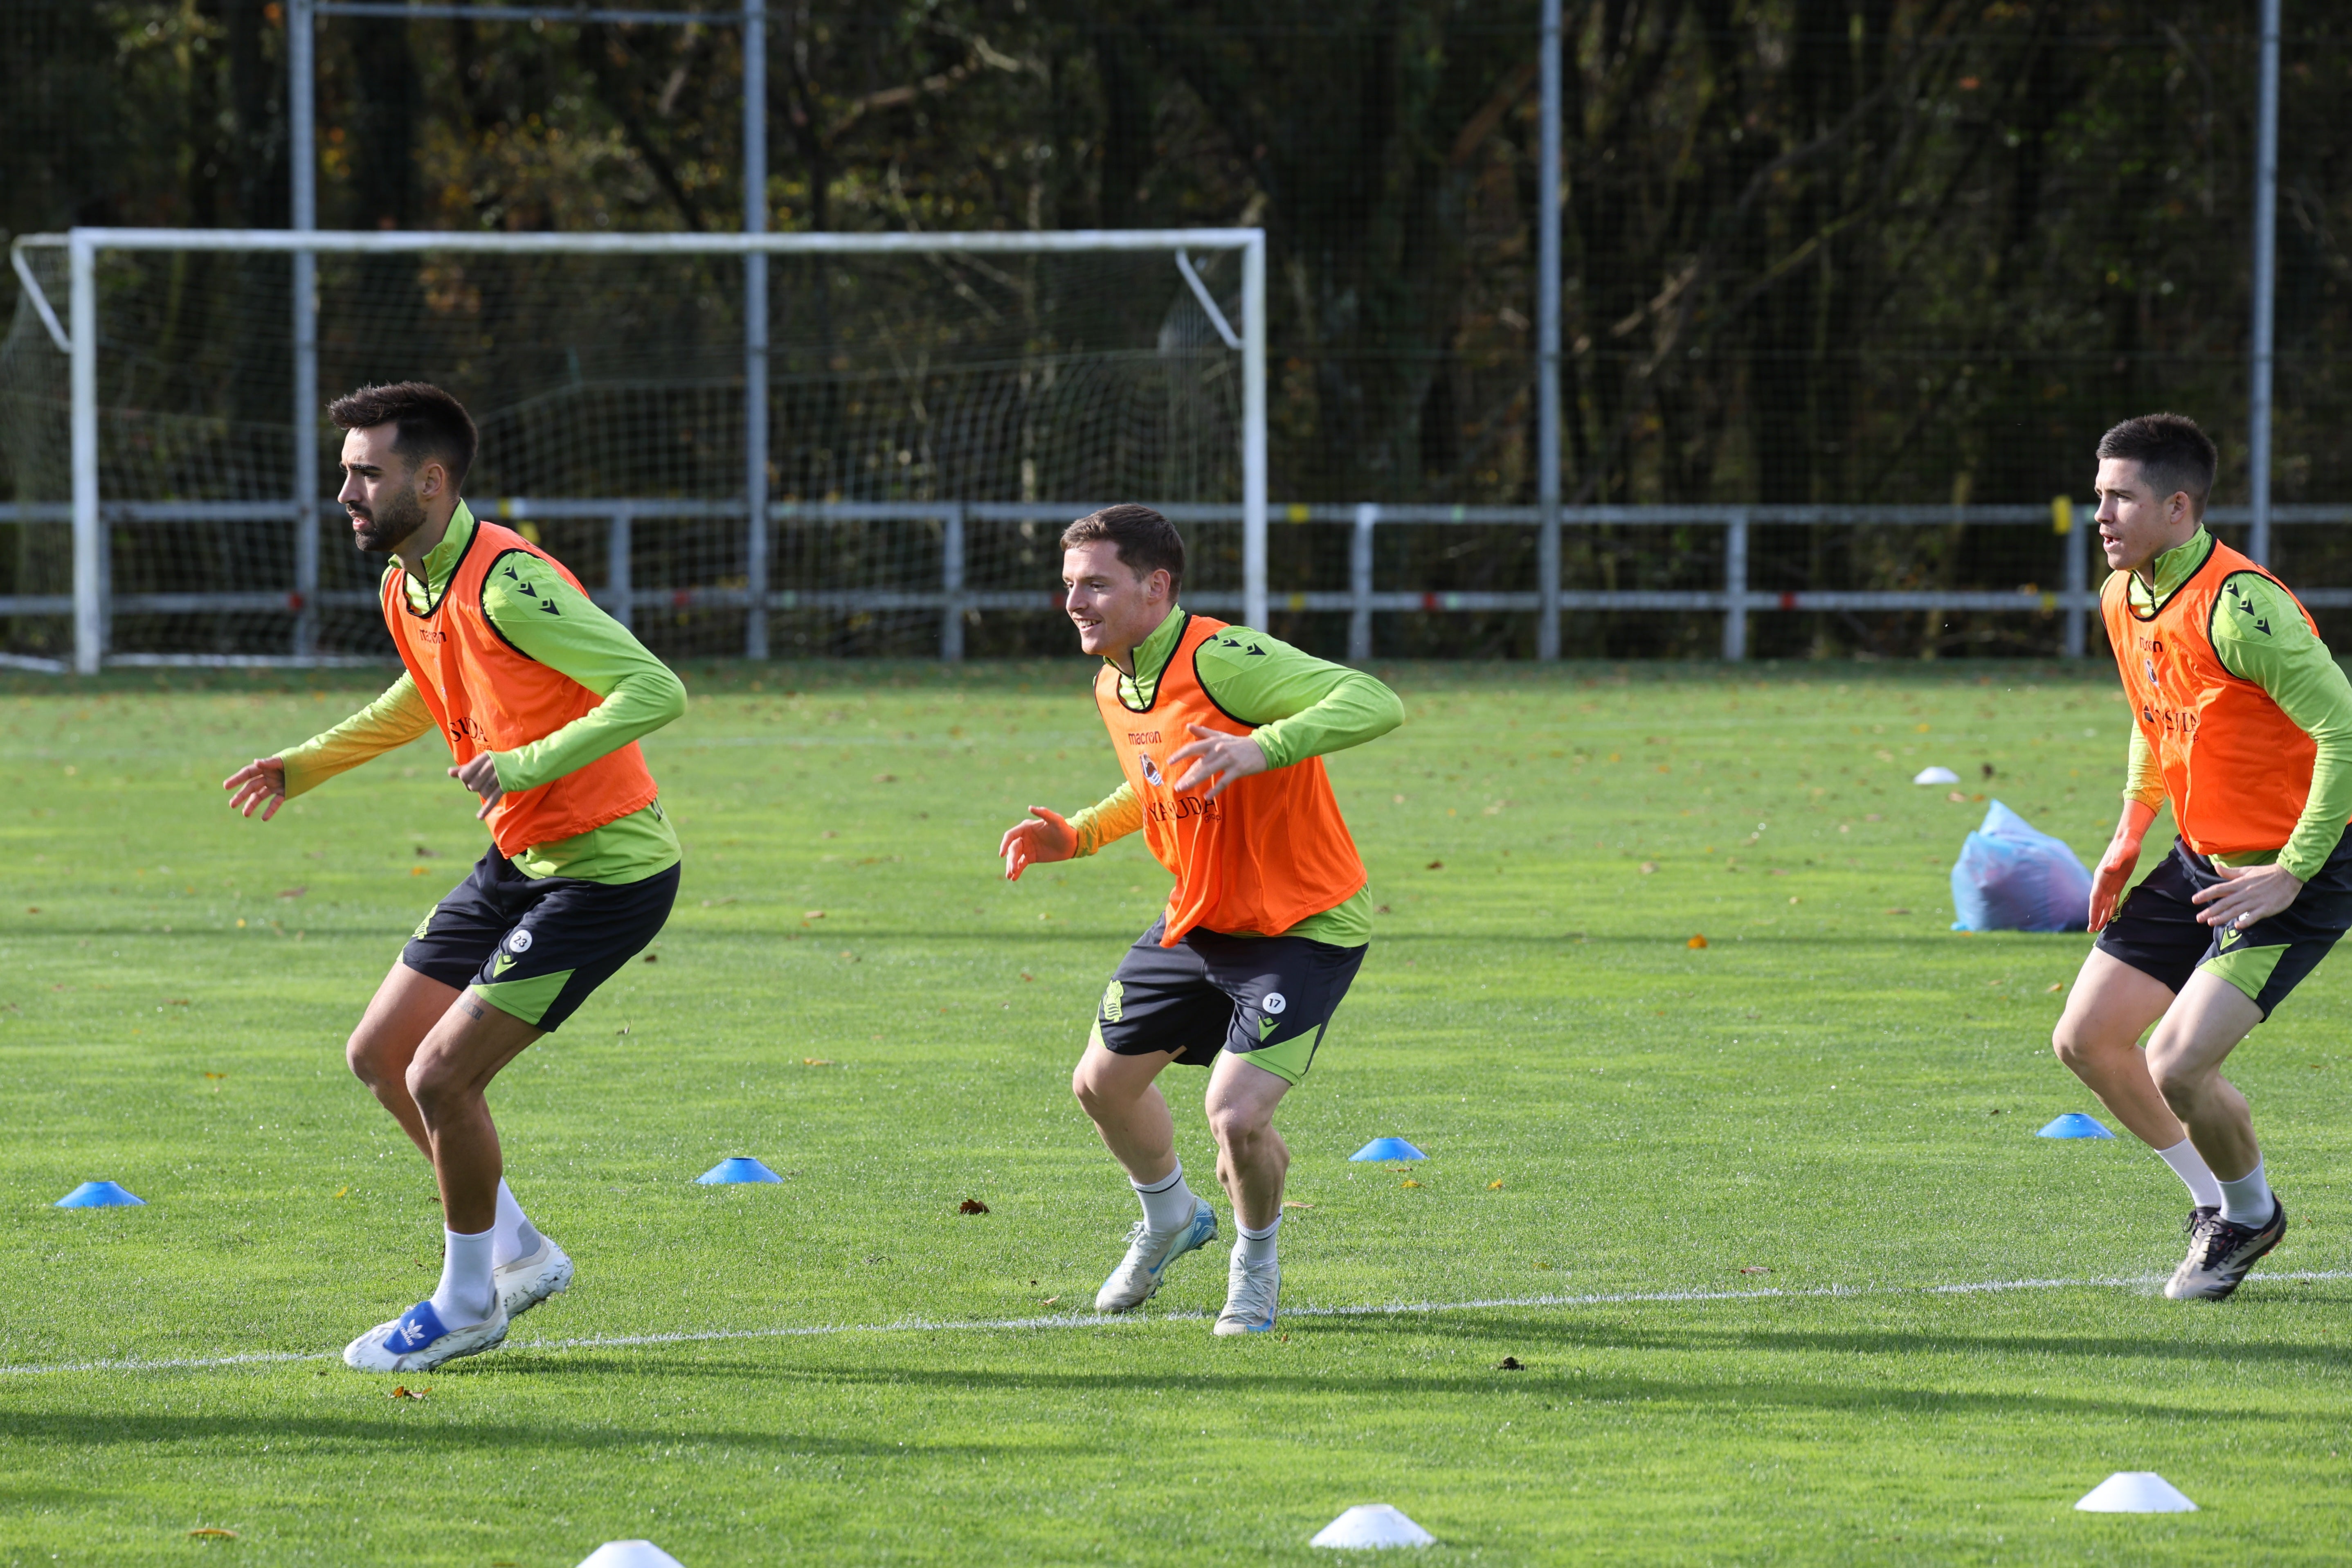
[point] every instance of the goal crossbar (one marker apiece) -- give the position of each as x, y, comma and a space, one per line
77, 337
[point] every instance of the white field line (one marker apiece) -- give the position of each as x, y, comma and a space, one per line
1102, 1321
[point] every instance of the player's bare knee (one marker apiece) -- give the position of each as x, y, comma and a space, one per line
372, 1057
1239, 1127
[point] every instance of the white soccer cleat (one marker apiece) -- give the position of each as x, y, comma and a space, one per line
1148, 1254
417, 1340
525, 1282
1251, 1291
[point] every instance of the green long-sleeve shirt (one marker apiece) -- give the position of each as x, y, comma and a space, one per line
2261, 635
640, 694
1301, 707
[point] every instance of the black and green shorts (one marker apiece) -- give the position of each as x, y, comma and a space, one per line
1265, 999
2156, 931
536, 948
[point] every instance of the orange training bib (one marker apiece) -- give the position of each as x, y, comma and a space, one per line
489, 696
2237, 770
1265, 854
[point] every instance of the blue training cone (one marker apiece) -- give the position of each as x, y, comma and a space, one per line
1388, 1149
741, 1168
2073, 1124
98, 1195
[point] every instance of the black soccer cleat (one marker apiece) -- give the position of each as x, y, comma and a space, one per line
2222, 1254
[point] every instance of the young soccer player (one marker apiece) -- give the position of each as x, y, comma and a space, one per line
1220, 731
2244, 722
541, 697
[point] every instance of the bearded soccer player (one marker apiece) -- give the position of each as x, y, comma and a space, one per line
541, 697
1220, 731
2242, 721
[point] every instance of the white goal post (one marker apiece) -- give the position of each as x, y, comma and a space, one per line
78, 336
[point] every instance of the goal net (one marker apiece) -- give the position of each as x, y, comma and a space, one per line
934, 412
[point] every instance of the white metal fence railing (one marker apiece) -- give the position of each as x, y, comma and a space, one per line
2074, 603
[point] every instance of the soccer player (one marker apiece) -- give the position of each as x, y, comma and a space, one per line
1220, 731
2242, 721
541, 697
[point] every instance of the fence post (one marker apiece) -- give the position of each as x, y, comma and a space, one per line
2077, 582
951, 584
1734, 587
620, 584
1360, 583
90, 533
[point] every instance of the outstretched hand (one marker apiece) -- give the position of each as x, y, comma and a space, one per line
480, 775
260, 780
1221, 759
1047, 836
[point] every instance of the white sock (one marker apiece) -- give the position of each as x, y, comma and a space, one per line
512, 1233
1255, 1247
464, 1296
2247, 1200
1168, 1202
2204, 1187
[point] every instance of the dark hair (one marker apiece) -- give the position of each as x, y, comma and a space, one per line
428, 423
2171, 451
1146, 541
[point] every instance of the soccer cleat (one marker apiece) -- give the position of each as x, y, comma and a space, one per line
525, 1282
1250, 1293
2198, 1216
417, 1340
1148, 1254
2220, 1255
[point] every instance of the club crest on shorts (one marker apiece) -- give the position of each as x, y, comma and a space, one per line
1150, 769
1114, 1002
519, 942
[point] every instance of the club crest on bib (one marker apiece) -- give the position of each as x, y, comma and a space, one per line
1150, 769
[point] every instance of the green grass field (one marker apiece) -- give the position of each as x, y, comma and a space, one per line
1738, 1210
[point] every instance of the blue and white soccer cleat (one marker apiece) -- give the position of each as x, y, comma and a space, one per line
1251, 1291
417, 1340
525, 1282
1148, 1254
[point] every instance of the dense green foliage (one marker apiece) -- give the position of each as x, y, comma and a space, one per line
1836, 1094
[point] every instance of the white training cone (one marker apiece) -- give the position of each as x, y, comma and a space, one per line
630, 1554
2135, 1491
1935, 776
1369, 1524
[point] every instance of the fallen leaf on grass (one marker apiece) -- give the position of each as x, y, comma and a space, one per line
424, 852
1957, 798
972, 1205
1494, 1187
653, 958
1026, 975
1898, 911
1383, 909
401, 1391
1294, 1204
1510, 1363
816, 1062
294, 892
175, 1002
813, 915
1696, 942
1437, 866
1755, 1268
416, 870
2053, 989
342, 1192
1408, 1182
886, 778
1647, 868
215, 1075
34, 910
714, 903
213, 1531
1049, 1301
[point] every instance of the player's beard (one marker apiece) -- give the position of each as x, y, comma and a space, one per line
401, 515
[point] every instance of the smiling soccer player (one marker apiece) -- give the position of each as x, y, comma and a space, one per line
541, 697
2242, 721
1220, 731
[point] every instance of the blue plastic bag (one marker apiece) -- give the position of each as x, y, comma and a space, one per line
2013, 877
